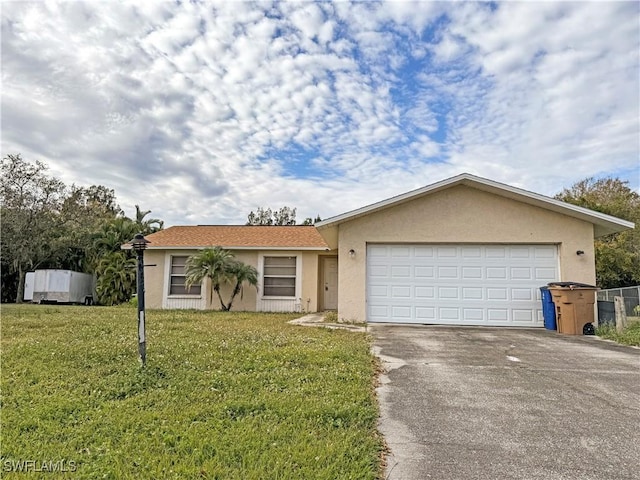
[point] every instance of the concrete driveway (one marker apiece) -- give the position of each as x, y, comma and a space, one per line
495, 403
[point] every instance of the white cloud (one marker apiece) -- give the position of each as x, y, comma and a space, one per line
202, 112
557, 90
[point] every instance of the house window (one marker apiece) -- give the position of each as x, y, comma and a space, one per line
177, 278
279, 279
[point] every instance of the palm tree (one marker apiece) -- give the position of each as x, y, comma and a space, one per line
113, 234
107, 241
116, 273
212, 263
219, 266
114, 268
148, 226
242, 273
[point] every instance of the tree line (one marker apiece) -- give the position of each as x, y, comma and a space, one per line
281, 216
47, 224
617, 255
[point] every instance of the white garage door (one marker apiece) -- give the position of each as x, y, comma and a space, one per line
459, 284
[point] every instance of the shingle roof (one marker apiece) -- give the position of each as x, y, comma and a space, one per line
239, 236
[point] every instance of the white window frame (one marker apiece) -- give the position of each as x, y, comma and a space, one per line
169, 275
298, 278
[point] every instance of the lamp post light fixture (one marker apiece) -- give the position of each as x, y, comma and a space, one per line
139, 244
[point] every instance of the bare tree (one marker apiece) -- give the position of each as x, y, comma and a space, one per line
266, 216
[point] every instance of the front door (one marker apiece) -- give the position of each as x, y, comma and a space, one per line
330, 283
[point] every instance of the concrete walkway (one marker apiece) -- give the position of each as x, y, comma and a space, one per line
317, 320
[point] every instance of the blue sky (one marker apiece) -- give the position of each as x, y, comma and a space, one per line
204, 111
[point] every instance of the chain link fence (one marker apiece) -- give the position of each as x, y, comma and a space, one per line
631, 296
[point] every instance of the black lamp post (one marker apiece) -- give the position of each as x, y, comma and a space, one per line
139, 244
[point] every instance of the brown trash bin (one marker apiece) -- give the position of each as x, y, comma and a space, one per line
574, 306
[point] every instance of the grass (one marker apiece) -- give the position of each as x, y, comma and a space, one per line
223, 396
629, 336
331, 316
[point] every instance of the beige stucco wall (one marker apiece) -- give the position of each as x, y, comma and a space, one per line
460, 214
156, 282
309, 295
249, 294
157, 285
153, 278
308, 282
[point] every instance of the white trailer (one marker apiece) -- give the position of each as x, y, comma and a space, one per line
28, 286
62, 286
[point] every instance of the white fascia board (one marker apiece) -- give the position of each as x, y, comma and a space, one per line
226, 247
604, 224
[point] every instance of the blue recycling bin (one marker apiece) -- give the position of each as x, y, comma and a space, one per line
548, 309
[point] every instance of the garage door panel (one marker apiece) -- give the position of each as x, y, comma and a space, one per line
401, 291
546, 274
423, 252
448, 293
400, 252
521, 273
428, 314
377, 251
447, 252
496, 273
523, 294
448, 272
401, 271
526, 316
424, 272
497, 314
379, 313
379, 291
472, 293
473, 314
520, 252
425, 293
379, 271
495, 252
545, 251
461, 285
472, 273
497, 294
447, 313
471, 252
401, 312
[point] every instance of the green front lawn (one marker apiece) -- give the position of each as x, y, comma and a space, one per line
629, 336
224, 396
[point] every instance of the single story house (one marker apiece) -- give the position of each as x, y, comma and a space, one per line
289, 259
463, 251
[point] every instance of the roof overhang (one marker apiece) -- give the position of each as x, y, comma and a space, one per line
602, 224
231, 247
